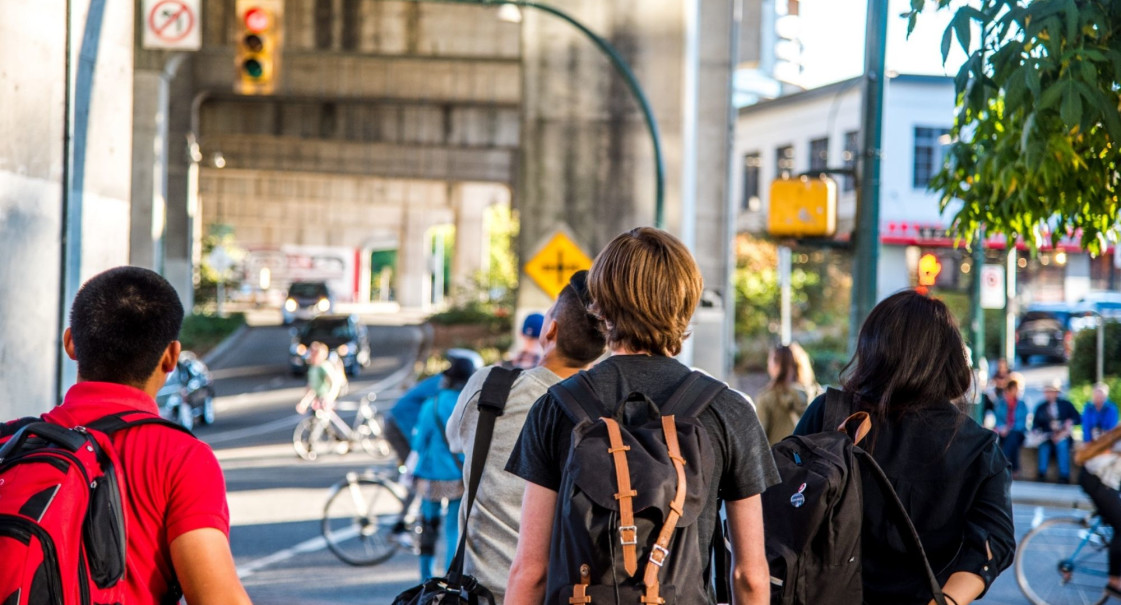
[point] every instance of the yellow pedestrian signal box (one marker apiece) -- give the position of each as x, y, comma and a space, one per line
803, 207
259, 42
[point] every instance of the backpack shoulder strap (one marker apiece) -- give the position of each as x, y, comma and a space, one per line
578, 398
838, 407
11, 428
693, 395
122, 420
911, 534
496, 389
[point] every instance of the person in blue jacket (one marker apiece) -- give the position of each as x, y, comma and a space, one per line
402, 417
438, 475
1100, 414
1012, 420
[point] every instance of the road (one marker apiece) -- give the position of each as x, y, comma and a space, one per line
276, 499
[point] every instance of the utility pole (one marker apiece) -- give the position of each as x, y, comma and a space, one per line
866, 251
977, 320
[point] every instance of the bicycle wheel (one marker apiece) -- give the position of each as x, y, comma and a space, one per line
313, 437
371, 436
358, 521
1050, 573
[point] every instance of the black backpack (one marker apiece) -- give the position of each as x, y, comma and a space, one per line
635, 481
813, 518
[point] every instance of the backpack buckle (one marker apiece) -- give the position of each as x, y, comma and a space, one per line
658, 555
633, 529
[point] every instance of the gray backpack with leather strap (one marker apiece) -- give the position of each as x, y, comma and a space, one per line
634, 484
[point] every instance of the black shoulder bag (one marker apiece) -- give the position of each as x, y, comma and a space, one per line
456, 587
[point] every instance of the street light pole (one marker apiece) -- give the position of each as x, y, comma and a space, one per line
624, 70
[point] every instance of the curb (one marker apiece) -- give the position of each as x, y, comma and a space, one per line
1051, 496
224, 346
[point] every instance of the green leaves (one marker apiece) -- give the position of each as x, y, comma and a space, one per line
1038, 124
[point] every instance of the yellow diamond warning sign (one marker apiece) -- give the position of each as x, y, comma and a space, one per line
552, 267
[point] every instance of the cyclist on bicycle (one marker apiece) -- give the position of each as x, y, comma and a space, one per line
325, 382
1101, 480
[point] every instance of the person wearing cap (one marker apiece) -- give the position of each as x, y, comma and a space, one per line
1099, 415
530, 354
1053, 421
438, 475
1012, 420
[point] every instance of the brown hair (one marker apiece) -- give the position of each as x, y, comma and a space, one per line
645, 285
787, 367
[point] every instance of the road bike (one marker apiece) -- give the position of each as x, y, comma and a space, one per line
368, 519
325, 432
1064, 560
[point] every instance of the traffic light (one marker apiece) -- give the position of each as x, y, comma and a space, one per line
259, 42
929, 268
803, 207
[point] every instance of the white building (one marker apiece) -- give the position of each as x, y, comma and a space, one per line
820, 128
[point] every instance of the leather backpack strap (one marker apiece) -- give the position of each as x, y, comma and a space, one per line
660, 550
492, 403
628, 531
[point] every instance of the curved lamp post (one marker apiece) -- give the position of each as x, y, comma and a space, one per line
624, 70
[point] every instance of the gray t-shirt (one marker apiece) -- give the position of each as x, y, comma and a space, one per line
744, 465
492, 534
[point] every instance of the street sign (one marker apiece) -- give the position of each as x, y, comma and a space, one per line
992, 287
553, 266
220, 260
171, 25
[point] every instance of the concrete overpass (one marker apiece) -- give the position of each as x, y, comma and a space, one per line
391, 117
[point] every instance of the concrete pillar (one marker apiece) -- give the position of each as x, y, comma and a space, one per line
148, 214
33, 78
180, 236
470, 201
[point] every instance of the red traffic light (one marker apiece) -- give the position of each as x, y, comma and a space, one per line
257, 20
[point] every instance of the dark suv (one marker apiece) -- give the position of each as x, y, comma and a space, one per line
1048, 331
307, 299
344, 335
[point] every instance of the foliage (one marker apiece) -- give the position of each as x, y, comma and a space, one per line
828, 357
1083, 361
1079, 394
820, 281
206, 290
960, 304
500, 276
1037, 135
202, 332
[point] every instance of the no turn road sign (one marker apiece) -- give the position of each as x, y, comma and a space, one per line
172, 25
992, 287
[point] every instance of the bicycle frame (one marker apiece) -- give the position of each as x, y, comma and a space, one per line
1069, 564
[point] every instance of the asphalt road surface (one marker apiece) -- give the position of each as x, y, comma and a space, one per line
276, 499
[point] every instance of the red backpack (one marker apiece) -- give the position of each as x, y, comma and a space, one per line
62, 520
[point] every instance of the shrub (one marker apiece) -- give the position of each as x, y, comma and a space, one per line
202, 332
1083, 361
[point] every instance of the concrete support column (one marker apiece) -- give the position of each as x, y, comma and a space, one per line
413, 272
147, 216
180, 235
470, 201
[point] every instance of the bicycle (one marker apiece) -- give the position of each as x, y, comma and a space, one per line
324, 432
367, 519
1064, 560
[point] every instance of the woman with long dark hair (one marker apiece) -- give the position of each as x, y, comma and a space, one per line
781, 404
909, 369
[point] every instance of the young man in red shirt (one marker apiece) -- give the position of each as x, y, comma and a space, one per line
124, 329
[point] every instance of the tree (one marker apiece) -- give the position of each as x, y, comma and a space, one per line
1035, 143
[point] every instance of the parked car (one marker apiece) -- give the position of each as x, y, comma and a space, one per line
188, 392
345, 335
307, 299
1048, 330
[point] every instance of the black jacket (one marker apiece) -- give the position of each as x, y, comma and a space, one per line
954, 482
1042, 417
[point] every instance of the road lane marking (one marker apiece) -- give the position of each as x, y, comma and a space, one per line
307, 546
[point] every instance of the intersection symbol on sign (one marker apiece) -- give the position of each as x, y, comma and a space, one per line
553, 266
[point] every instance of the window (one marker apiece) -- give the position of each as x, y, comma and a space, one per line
819, 154
784, 161
751, 164
930, 154
848, 158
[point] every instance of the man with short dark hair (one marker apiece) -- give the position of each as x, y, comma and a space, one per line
124, 330
570, 341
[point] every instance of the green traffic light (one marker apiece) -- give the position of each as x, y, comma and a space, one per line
253, 68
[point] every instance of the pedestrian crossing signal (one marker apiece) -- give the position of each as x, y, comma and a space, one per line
258, 46
803, 207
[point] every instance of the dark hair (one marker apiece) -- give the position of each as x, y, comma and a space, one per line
909, 355
645, 285
121, 322
580, 338
787, 367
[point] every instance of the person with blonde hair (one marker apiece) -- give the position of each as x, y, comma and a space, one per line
645, 285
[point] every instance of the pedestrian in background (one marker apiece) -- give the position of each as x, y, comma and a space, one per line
438, 476
324, 380
951, 476
781, 404
1052, 424
529, 354
1101, 480
1012, 420
1100, 414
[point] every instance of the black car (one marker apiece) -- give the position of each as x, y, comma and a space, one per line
307, 299
188, 392
344, 335
1048, 331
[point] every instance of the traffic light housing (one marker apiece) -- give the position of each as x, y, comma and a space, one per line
803, 207
259, 42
